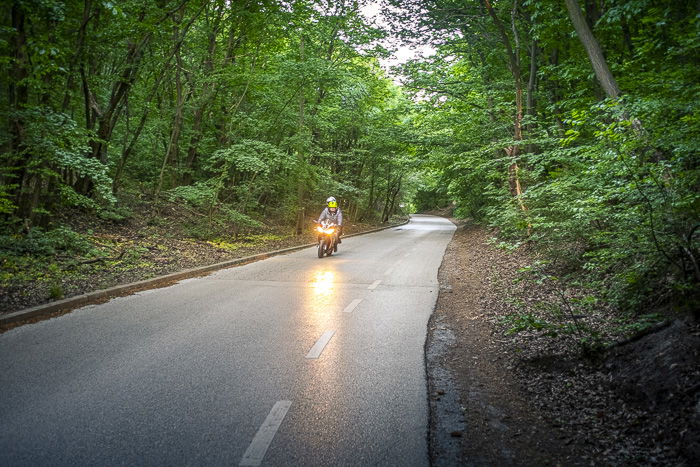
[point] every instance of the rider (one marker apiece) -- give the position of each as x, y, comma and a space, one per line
332, 213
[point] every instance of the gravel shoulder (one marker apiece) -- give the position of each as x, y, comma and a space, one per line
533, 399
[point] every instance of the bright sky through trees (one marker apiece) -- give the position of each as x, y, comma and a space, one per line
401, 51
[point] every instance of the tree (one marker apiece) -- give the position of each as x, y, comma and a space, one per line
595, 53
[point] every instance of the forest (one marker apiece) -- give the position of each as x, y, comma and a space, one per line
572, 127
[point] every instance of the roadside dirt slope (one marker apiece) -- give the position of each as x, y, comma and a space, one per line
530, 399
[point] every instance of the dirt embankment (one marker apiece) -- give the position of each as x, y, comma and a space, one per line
530, 398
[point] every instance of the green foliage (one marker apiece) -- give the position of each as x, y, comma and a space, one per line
54, 149
55, 292
220, 217
199, 195
558, 313
31, 256
528, 322
240, 129
611, 188
252, 111
7, 206
115, 213
70, 197
636, 325
38, 242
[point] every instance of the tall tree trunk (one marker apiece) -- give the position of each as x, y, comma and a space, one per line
128, 150
595, 53
387, 199
554, 94
392, 206
78, 56
627, 36
530, 106
27, 195
208, 95
107, 121
301, 189
172, 154
18, 91
514, 64
370, 198
188, 168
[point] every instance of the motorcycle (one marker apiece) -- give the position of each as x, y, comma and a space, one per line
327, 238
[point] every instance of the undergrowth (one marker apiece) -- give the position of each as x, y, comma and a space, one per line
569, 307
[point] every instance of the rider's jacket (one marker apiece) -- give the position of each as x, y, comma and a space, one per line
327, 215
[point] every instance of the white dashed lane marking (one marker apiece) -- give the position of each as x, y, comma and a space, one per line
263, 438
352, 306
320, 344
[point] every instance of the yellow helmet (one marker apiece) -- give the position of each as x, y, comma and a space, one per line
331, 202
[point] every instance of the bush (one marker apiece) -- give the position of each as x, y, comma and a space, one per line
40, 243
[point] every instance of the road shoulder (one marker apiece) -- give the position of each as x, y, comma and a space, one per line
479, 415
530, 398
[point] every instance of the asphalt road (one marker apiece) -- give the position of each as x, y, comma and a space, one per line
293, 360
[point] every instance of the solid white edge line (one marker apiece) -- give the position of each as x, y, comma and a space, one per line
263, 438
352, 306
374, 285
320, 344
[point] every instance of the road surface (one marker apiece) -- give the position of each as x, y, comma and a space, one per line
293, 360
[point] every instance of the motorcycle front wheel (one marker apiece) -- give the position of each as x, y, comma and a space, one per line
321, 248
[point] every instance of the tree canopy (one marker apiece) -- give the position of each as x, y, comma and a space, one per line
573, 126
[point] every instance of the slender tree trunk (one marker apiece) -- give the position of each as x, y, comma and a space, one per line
18, 91
188, 169
595, 53
301, 189
387, 199
128, 150
392, 207
627, 36
553, 93
530, 105
514, 62
370, 198
172, 154
208, 94
27, 195
108, 118
79, 50
153, 93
